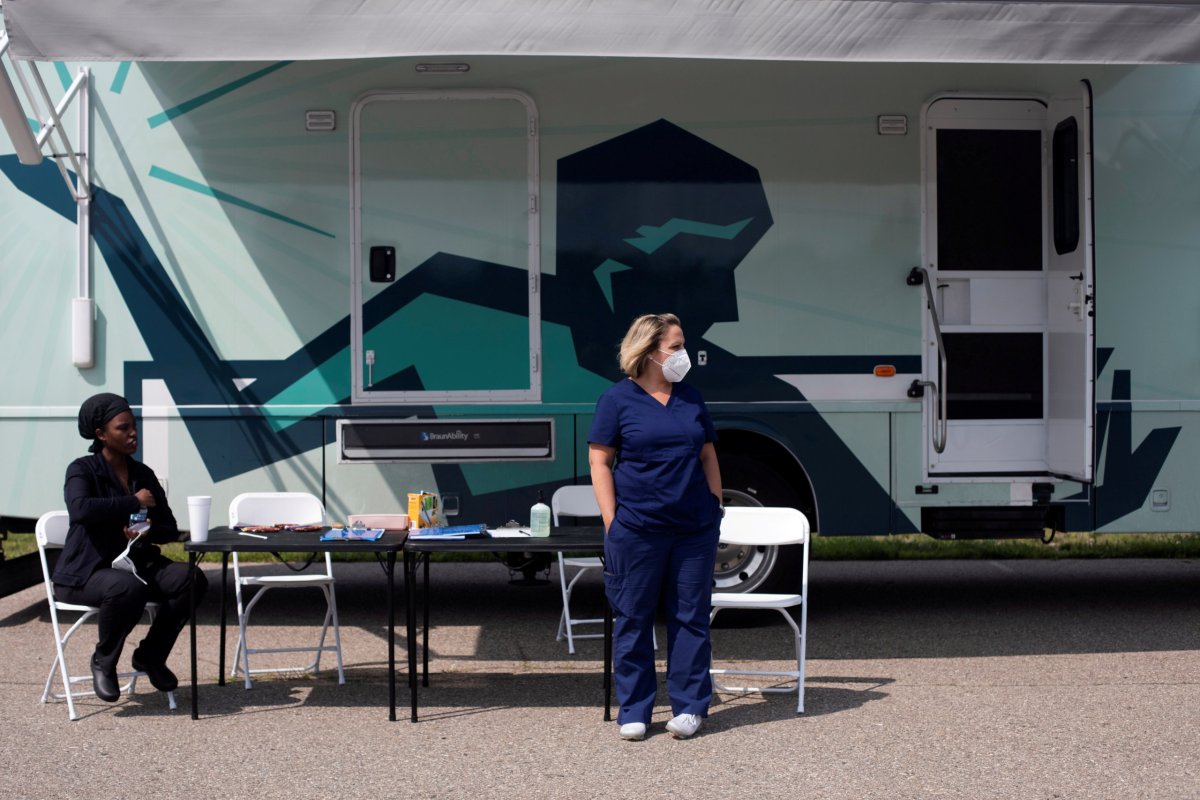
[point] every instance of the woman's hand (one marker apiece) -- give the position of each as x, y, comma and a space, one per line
600, 460
145, 497
130, 533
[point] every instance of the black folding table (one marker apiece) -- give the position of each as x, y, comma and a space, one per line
226, 540
587, 540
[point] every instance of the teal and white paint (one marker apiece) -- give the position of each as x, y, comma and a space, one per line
224, 291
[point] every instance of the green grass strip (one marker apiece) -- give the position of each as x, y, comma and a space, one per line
907, 547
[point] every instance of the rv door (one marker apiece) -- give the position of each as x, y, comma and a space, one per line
444, 247
1070, 290
1007, 245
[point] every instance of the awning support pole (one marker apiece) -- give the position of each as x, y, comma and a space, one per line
50, 117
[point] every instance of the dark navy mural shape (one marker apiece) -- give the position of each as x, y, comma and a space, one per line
1129, 473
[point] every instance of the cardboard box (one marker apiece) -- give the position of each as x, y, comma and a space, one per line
422, 510
389, 522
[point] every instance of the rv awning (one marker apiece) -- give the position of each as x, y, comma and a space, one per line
1086, 31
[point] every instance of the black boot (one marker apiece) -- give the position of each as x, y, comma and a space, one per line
104, 683
160, 677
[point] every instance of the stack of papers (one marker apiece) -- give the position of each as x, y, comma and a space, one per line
509, 533
449, 532
352, 535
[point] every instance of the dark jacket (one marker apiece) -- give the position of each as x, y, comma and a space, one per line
99, 510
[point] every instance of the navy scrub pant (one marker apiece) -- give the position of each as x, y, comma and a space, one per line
122, 598
639, 570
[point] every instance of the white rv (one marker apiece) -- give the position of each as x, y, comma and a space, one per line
938, 263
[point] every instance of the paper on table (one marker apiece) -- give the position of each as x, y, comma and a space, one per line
509, 533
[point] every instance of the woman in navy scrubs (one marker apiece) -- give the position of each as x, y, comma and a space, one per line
655, 474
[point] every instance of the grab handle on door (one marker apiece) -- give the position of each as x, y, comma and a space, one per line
918, 276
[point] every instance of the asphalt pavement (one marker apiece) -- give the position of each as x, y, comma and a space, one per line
979, 679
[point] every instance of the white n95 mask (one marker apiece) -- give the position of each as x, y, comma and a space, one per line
125, 562
676, 365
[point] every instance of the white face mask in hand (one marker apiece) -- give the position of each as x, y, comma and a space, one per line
675, 366
125, 562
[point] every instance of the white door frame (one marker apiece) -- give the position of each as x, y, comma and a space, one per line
534, 392
982, 449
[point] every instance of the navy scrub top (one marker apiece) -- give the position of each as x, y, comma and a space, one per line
659, 481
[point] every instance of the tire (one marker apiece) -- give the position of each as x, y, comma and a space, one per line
749, 482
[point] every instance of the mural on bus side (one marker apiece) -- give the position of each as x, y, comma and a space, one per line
655, 219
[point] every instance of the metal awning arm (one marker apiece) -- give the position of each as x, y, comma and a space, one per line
49, 116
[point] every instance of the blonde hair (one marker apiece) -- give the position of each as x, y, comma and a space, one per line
642, 339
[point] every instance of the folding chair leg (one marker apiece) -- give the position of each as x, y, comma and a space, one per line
566, 625
60, 662
570, 625
315, 665
241, 653
337, 634
243, 644
330, 616
797, 675
564, 621
800, 673
50, 679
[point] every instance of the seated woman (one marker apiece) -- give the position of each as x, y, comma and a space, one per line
102, 491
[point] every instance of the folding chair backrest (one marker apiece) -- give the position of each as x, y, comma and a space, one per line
574, 501
51, 529
763, 526
51, 534
274, 508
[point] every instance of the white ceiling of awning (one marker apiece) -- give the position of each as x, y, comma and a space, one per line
1090, 31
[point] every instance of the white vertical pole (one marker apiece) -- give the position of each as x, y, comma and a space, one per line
157, 409
83, 308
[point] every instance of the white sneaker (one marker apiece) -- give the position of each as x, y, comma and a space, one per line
684, 725
633, 731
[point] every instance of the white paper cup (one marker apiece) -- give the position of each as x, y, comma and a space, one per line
198, 508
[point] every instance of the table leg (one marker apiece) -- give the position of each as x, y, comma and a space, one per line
425, 628
391, 590
608, 629
224, 592
192, 559
411, 625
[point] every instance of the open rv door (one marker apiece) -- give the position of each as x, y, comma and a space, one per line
1008, 256
1070, 291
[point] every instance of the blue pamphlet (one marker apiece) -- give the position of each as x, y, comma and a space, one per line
352, 535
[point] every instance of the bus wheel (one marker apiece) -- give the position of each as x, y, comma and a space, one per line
740, 568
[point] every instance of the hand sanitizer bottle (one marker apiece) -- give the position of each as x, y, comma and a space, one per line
539, 518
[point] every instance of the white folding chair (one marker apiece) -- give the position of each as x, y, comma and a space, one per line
575, 501
766, 527
51, 534
273, 508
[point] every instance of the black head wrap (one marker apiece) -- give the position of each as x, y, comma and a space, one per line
96, 412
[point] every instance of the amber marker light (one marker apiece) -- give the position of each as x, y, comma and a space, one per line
885, 371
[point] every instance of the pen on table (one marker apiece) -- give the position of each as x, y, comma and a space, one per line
255, 535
